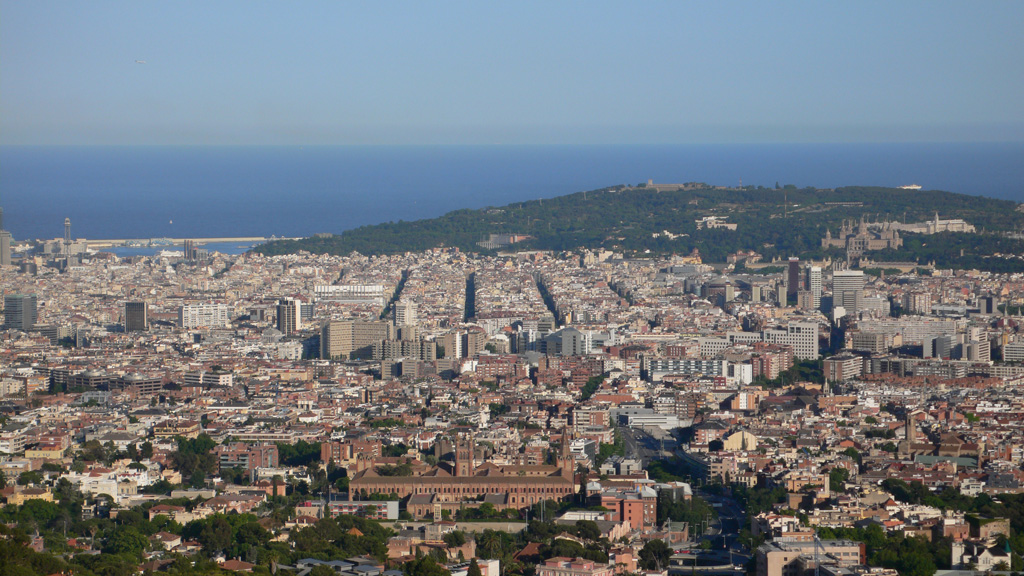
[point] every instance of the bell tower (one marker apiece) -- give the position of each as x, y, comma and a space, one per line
566, 461
910, 428
464, 457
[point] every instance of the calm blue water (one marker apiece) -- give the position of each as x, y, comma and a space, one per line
222, 247
142, 192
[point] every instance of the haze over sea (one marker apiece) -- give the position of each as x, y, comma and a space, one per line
146, 192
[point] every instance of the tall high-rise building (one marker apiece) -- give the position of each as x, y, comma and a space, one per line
136, 316
405, 313
848, 290
5, 242
793, 279
5, 248
814, 285
67, 239
289, 315
20, 311
988, 305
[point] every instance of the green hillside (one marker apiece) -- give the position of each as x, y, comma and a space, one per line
774, 222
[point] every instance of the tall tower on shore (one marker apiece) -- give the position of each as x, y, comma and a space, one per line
67, 241
5, 242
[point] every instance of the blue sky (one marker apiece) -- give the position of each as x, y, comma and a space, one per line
451, 72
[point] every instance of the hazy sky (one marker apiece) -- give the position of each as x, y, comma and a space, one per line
348, 72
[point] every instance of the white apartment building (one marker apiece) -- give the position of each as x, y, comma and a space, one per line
204, 315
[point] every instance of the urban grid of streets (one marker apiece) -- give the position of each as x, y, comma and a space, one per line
615, 363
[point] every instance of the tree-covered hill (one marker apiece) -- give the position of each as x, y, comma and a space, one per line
775, 222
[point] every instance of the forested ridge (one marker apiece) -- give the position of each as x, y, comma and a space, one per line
776, 222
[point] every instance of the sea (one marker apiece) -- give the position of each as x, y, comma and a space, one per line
294, 191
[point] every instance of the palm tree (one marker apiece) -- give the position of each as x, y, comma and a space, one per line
490, 541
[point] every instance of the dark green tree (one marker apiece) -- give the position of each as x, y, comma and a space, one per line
654, 555
125, 540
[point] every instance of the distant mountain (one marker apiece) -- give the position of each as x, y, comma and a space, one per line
774, 222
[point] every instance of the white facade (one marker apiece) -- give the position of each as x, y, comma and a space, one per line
802, 336
204, 315
814, 283
374, 293
1013, 352
912, 330
405, 313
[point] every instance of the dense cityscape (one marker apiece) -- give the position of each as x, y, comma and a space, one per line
551, 413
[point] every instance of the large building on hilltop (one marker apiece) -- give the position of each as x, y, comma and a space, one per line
863, 237
935, 226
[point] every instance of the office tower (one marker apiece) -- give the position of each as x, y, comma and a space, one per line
405, 313
5, 242
793, 279
335, 339
805, 300
979, 350
136, 317
814, 285
848, 290
289, 315
5, 248
306, 313
937, 347
20, 311
987, 305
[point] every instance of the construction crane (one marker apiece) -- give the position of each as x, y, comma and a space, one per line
817, 559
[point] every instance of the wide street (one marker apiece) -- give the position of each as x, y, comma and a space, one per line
651, 443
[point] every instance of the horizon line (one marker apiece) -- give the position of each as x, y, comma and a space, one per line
505, 144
